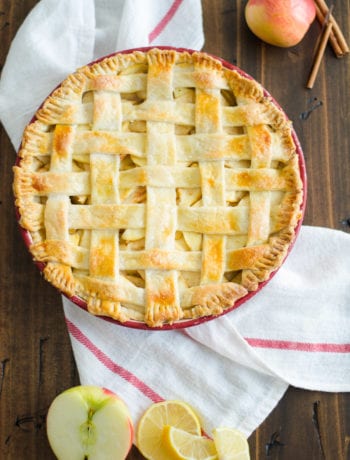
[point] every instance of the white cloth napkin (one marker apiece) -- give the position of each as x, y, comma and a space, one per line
233, 369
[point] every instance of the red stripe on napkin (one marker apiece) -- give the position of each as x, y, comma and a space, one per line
299, 346
111, 365
164, 21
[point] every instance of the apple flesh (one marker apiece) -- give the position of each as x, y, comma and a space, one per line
89, 422
280, 22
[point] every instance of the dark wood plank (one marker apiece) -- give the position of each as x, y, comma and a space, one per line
36, 361
35, 354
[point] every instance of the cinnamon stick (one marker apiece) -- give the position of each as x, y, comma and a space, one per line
337, 39
332, 38
319, 55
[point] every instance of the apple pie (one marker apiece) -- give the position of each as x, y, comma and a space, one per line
159, 185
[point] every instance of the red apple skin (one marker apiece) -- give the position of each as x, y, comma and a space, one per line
281, 23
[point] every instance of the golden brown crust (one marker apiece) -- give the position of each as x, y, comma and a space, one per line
212, 299
277, 251
159, 186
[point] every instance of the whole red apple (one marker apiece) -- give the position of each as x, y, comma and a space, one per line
280, 22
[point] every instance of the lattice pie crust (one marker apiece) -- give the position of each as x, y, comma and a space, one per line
158, 185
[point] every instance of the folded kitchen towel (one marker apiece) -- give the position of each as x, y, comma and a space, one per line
233, 369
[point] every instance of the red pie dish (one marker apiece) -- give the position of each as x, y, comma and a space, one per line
159, 188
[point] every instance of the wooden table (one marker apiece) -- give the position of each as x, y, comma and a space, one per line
36, 360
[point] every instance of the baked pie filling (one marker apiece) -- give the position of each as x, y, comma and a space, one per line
158, 186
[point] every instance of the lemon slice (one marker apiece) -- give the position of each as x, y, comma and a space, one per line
181, 445
149, 434
231, 444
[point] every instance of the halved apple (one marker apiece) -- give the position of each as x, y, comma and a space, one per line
89, 422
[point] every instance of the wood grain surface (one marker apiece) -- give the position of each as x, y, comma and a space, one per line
36, 361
